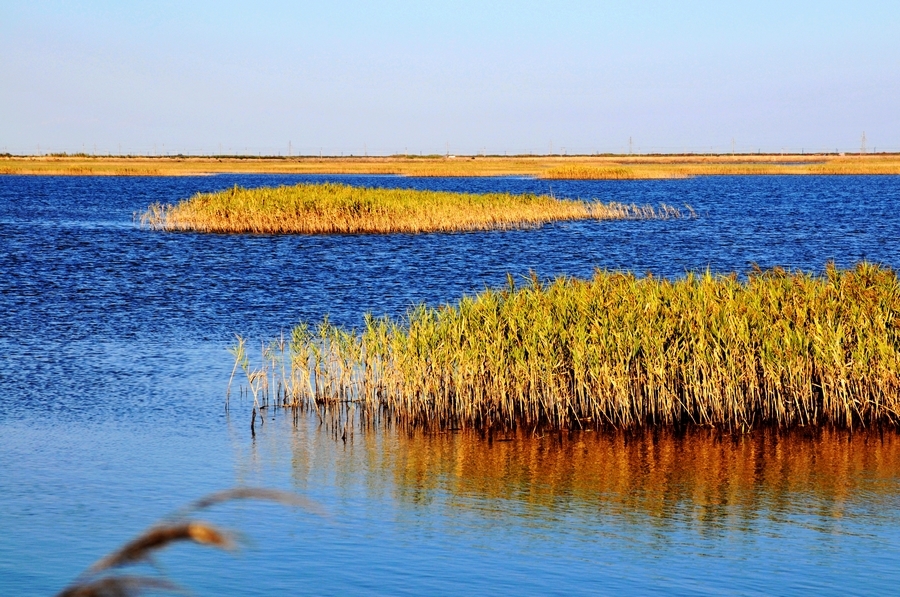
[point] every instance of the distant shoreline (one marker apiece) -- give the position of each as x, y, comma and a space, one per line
602, 167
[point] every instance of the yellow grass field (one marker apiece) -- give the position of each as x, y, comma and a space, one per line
553, 167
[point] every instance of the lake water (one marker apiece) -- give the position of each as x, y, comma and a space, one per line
114, 366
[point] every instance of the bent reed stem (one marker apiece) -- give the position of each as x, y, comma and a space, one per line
343, 209
779, 348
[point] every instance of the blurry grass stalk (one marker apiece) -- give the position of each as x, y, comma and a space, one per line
105, 577
779, 348
337, 208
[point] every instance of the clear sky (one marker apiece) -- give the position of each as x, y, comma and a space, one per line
392, 77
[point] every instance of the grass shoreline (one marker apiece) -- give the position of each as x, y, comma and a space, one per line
783, 349
344, 209
605, 167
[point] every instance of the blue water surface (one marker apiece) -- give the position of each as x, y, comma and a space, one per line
114, 365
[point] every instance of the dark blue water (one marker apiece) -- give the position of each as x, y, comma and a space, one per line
114, 362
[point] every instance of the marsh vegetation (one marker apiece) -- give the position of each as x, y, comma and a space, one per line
546, 166
778, 348
344, 209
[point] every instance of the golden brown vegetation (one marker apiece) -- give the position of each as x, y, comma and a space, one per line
581, 172
335, 208
615, 167
785, 349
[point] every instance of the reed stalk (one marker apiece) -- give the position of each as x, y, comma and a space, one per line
778, 348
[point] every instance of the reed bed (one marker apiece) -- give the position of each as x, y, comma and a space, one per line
778, 348
582, 172
604, 166
855, 166
343, 209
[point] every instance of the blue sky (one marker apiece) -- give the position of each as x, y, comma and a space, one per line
393, 77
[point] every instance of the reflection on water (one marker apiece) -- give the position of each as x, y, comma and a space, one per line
704, 479
661, 512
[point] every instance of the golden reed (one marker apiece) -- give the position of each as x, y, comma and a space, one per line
779, 348
343, 209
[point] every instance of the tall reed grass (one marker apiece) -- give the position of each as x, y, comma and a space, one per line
780, 348
337, 208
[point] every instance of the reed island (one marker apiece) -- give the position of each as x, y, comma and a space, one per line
344, 209
774, 348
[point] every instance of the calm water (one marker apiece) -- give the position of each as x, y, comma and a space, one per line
114, 363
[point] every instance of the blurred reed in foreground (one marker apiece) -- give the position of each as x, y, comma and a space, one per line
780, 348
337, 208
105, 577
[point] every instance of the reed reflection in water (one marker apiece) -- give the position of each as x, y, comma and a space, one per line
702, 479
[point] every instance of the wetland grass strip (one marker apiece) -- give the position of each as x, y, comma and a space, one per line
779, 348
547, 166
337, 208
581, 172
